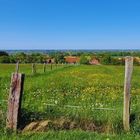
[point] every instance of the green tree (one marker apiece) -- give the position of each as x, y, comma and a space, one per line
59, 58
2, 53
84, 60
106, 59
4, 59
21, 57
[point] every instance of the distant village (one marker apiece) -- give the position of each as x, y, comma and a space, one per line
88, 58
75, 60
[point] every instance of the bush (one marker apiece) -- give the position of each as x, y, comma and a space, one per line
106, 59
4, 59
84, 60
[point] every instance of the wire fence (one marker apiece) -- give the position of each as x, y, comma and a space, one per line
95, 108
106, 105
27, 68
106, 111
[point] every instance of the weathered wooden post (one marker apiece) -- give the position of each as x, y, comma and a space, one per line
44, 67
14, 101
127, 89
33, 68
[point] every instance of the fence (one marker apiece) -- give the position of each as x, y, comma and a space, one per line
16, 91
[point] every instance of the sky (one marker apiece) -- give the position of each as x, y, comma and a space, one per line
69, 24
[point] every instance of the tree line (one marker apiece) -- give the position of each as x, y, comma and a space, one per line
104, 57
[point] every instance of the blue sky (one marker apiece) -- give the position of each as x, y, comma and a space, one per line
69, 24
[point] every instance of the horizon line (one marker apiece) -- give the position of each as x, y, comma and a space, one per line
61, 49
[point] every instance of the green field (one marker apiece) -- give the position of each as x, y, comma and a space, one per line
82, 94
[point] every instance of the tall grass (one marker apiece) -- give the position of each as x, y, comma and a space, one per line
92, 93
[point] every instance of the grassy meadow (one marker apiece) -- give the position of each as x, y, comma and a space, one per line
83, 94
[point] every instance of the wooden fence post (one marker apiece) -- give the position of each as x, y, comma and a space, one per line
33, 68
44, 67
14, 101
127, 89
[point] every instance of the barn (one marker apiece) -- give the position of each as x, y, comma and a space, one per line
72, 59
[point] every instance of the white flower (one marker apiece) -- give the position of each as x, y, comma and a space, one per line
55, 101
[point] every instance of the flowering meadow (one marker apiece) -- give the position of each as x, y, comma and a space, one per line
81, 93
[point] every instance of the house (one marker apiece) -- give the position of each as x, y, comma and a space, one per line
137, 59
50, 60
72, 59
94, 61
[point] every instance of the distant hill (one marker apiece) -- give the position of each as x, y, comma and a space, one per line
70, 50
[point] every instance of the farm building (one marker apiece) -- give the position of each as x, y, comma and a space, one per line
94, 61
50, 60
137, 59
72, 59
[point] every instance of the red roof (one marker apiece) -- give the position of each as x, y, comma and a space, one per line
72, 59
